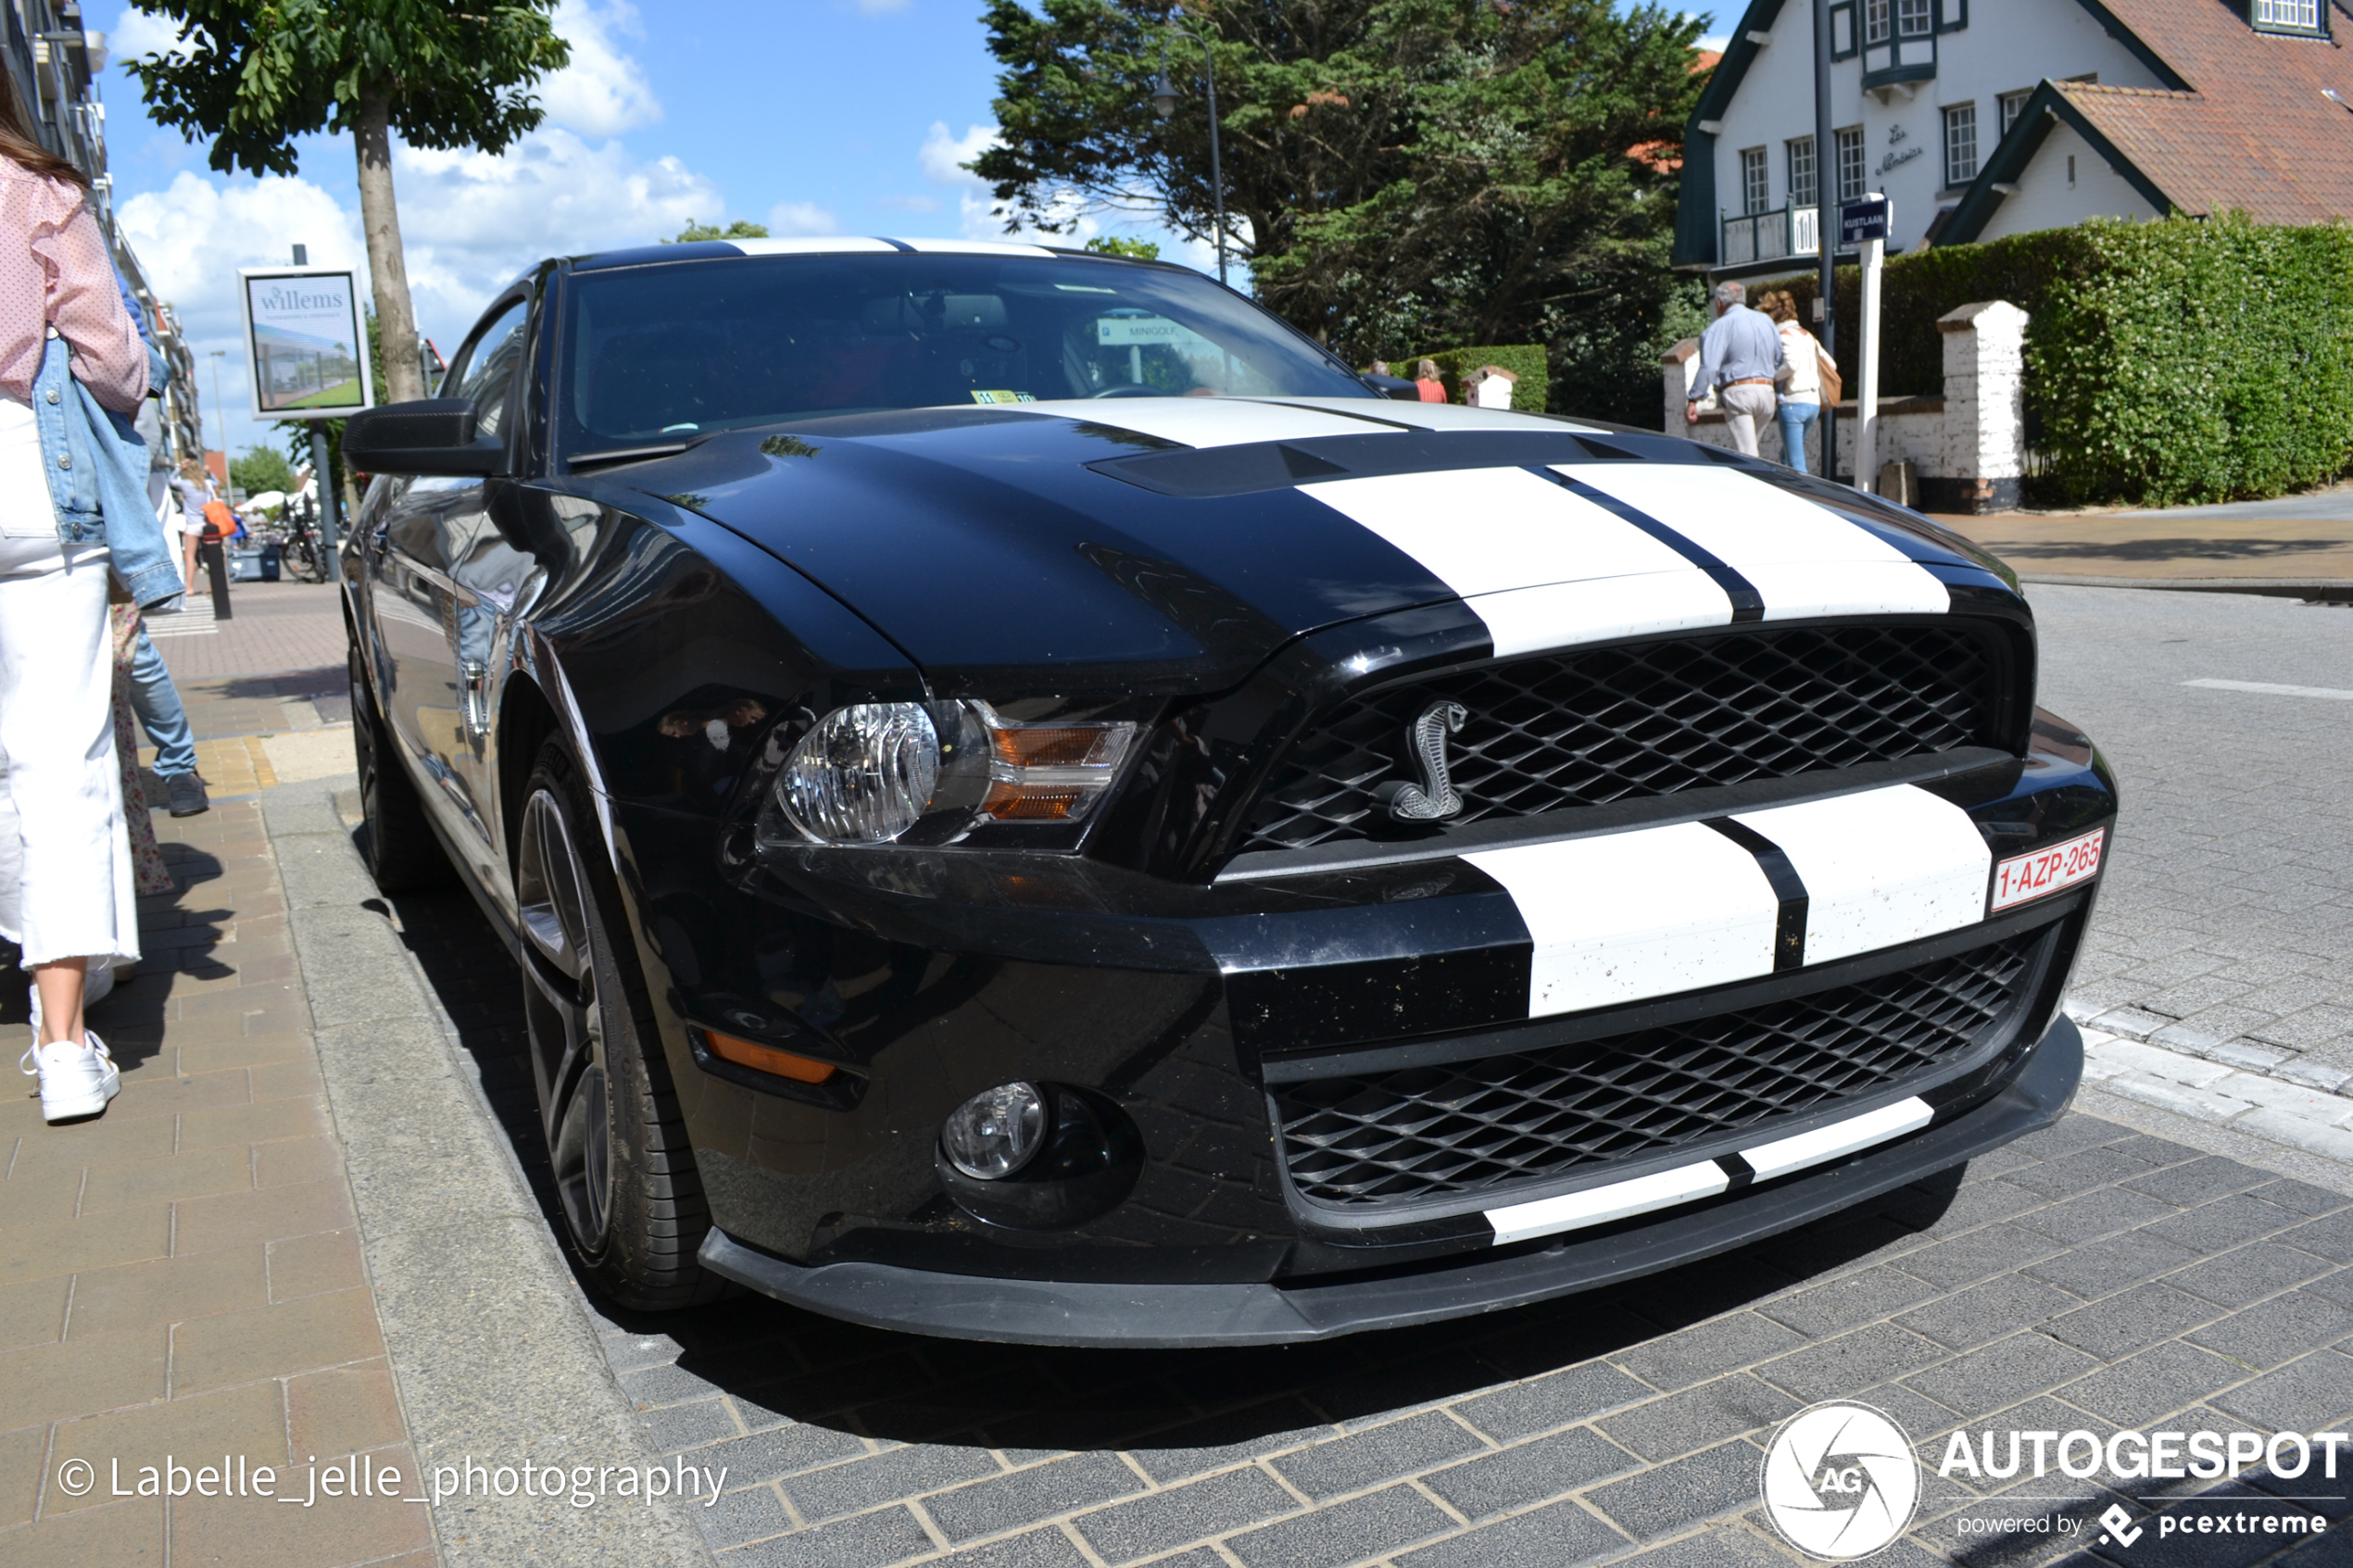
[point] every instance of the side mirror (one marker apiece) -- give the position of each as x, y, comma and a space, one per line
1396, 388
432, 436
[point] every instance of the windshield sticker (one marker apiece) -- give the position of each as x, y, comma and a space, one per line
1002, 397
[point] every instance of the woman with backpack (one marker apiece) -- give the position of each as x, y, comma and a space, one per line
71, 357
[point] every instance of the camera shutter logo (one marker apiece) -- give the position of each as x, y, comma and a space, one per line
1841, 1481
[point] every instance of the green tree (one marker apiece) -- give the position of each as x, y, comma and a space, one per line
742, 229
1115, 245
1400, 174
253, 75
259, 467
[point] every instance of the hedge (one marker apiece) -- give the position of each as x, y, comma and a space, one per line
1525, 361
2170, 361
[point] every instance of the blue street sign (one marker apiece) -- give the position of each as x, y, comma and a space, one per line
1858, 221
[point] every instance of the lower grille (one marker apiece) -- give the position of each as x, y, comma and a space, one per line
1465, 1127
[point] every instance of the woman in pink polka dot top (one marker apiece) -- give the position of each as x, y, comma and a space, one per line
65, 894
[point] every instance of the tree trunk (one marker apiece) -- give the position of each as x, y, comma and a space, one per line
380, 217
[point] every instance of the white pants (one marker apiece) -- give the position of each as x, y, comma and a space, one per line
65, 855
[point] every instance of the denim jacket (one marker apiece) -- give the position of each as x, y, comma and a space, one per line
97, 468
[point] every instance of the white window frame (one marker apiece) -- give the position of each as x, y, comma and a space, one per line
1848, 139
2302, 16
1879, 20
1960, 123
1915, 18
2013, 104
1756, 181
1805, 172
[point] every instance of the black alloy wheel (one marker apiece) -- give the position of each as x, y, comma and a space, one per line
625, 1174
397, 842
559, 975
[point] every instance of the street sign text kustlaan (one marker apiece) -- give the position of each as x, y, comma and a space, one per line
1862, 220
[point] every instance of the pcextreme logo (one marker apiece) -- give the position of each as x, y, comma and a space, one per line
1841, 1481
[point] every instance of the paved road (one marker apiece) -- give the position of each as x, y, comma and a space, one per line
2091, 1278
2225, 924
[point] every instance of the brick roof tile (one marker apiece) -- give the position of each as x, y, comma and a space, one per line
2257, 131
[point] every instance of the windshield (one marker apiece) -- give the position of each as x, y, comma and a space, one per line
659, 353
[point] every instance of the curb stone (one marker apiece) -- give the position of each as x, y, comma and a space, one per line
489, 1336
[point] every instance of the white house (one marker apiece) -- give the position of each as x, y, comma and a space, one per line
1985, 117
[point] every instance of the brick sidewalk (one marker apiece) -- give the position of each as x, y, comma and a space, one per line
183, 1276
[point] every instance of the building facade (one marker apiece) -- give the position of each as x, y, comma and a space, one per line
54, 62
1984, 117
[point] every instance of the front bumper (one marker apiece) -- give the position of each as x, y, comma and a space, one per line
1147, 1316
1201, 1014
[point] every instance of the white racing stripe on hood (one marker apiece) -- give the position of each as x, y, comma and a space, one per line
1212, 421
1882, 867
1542, 566
1804, 559
1631, 915
1448, 416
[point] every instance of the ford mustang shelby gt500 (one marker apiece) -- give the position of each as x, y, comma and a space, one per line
1033, 803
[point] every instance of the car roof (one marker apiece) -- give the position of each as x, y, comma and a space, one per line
832, 245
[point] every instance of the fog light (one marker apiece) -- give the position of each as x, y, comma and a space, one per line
995, 1132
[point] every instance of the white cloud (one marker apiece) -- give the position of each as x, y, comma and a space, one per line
470, 221
137, 33
1717, 41
800, 218
602, 91
942, 157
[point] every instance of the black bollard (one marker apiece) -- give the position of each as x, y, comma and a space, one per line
213, 556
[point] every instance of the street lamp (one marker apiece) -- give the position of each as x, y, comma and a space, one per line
221, 409
1164, 104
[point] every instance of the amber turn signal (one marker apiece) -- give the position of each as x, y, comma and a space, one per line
768, 1058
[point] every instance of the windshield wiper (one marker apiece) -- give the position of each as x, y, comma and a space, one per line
627, 454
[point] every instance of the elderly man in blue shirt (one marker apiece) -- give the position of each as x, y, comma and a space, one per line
1740, 359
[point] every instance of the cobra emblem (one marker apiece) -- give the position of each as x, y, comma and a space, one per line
1435, 797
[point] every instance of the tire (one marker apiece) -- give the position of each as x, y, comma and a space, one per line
398, 844
625, 1176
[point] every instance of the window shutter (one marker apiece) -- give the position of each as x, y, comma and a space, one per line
1951, 15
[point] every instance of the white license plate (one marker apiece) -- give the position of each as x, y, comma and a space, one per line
2046, 870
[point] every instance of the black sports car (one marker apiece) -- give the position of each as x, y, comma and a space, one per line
1034, 803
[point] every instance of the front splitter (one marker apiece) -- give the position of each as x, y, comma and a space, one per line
1026, 1311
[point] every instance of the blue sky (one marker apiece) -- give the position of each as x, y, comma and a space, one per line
810, 116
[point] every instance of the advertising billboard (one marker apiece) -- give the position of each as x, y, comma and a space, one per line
306, 342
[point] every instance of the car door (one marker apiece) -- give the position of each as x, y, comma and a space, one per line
442, 590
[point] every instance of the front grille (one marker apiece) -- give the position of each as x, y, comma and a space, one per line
1468, 1127
1590, 726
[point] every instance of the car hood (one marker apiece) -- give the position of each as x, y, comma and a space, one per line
1166, 545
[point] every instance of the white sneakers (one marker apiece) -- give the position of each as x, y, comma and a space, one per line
76, 1080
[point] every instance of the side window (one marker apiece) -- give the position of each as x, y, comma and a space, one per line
484, 372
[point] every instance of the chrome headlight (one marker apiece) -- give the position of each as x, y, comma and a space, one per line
931, 774
863, 775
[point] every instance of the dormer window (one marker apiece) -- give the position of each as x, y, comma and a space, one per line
2286, 16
